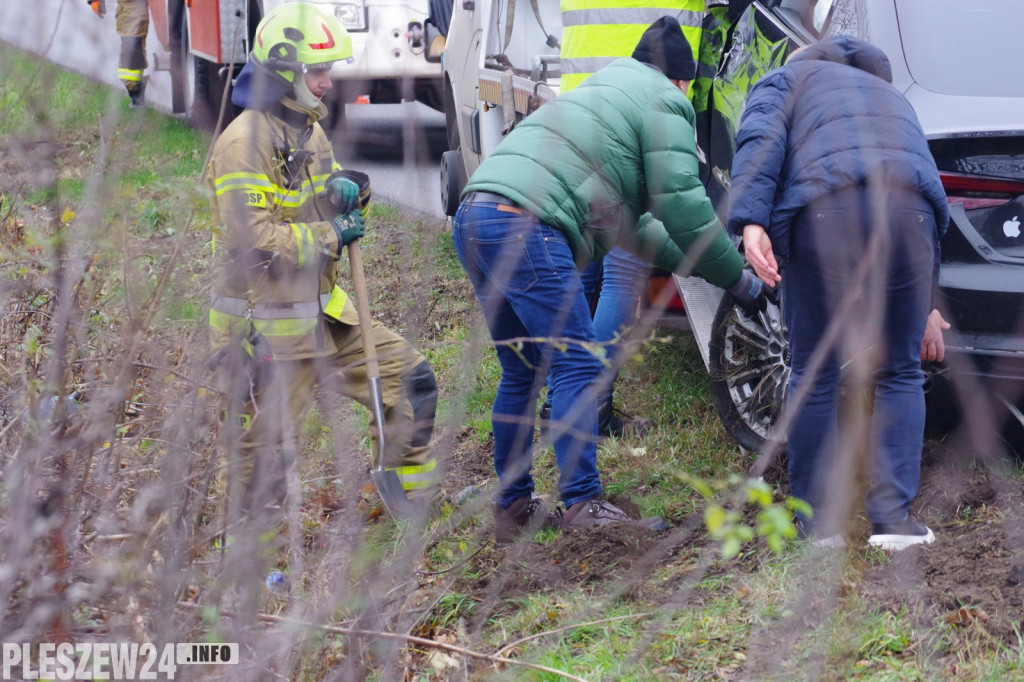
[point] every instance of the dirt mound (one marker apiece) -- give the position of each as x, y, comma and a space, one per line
972, 575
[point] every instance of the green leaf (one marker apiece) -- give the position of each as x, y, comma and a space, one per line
714, 517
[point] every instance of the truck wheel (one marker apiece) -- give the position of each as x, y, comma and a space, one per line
203, 89
749, 364
451, 181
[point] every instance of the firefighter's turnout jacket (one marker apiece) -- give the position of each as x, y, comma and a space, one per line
267, 170
597, 32
277, 282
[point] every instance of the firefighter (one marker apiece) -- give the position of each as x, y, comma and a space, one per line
132, 23
277, 312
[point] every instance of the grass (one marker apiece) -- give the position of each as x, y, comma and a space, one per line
130, 551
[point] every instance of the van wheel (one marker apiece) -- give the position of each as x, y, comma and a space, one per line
451, 181
749, 365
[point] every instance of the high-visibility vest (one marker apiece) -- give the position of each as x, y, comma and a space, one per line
597, 32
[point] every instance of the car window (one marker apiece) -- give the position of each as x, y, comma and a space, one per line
811, 15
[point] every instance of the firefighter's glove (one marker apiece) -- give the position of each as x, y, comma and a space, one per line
749, 293
342, 193
348, 228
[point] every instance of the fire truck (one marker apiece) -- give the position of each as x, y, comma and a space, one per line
397, 46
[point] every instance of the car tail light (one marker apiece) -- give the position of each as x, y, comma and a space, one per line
979, 191
656, 292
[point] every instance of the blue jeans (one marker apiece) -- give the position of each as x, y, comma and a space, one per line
830, 239
527, 284
620, 278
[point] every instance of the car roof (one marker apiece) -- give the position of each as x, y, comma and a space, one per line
959, 62
958, 47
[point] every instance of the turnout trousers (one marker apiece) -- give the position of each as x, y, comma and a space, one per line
270, 417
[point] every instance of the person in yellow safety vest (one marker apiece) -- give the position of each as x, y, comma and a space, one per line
597, 32
276, 310
132, 23
594, 34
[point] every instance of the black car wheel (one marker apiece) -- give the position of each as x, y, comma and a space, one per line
749, 366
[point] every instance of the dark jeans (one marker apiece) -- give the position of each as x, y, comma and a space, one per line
891, 235
616, 282
527, 284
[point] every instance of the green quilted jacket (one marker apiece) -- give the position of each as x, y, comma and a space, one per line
614, 162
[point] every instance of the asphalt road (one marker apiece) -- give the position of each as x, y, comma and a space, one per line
398, 145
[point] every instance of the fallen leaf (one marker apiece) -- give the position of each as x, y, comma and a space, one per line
966, 615
442, 662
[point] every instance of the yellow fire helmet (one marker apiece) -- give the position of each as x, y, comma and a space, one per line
297, 36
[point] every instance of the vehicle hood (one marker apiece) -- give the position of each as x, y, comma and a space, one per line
849, 51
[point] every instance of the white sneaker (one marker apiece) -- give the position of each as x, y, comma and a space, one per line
897, 536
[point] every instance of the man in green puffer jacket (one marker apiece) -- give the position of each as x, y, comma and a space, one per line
612, 163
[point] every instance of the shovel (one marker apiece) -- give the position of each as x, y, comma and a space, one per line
388, 484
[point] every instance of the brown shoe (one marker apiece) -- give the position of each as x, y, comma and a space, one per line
525, 516
596, 512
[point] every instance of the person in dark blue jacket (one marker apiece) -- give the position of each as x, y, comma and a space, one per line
833, 178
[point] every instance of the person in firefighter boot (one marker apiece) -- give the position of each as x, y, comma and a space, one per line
131, 19
279, 322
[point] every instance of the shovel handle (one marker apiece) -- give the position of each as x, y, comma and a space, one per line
363, 309
369, 347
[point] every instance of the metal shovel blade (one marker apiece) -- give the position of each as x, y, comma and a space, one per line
388, 484
391, 491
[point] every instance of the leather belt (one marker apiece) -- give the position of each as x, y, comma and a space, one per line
503, 203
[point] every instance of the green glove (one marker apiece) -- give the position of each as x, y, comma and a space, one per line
348, 228
342, 193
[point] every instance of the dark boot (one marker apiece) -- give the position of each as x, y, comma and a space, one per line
136, 92
613, 423
544, 418
525, 516
596, 512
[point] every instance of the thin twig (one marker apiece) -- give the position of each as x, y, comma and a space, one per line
266, 617
521, 640
14, 421
412, 639
452, 568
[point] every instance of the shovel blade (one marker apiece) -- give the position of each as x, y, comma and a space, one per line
393, 494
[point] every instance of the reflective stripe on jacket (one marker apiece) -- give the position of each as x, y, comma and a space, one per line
280, 251
597, 32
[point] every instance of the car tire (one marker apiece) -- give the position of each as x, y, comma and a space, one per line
749, 366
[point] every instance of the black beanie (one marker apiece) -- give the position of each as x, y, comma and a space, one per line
664, 46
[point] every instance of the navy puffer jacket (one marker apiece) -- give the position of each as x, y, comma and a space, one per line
827, 120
